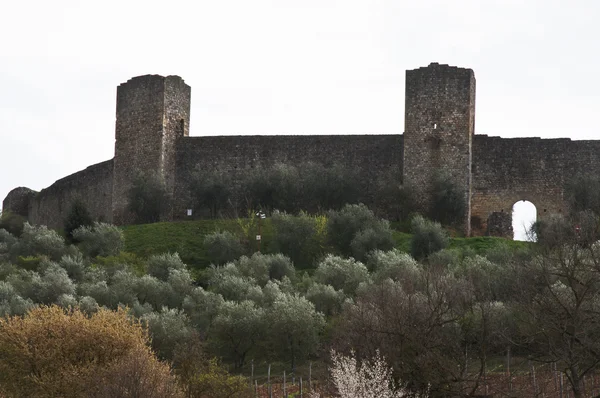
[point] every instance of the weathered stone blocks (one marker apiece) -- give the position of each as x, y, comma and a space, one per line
438, 129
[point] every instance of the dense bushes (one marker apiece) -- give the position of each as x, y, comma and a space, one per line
222, 247
211, 190
310, 187
448, 201
354, 230
434, 317
302, 237
428, 237
341, 274
38, 241
52, 352
99, 239
289, 188
13, 223
78, 216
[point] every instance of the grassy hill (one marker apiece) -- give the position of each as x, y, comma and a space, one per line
186, 238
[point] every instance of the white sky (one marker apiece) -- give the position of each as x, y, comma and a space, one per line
283, 66
524, 215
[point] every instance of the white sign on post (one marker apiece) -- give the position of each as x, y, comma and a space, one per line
257, 237
189, 212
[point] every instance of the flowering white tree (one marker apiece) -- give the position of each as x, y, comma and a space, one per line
369, 379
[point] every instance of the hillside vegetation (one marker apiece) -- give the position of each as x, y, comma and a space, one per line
441, 311
187, 239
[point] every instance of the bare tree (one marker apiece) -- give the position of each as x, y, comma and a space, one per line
557, 310
419, 323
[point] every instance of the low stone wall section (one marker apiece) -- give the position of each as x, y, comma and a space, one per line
506, 170
374, 155
92, 185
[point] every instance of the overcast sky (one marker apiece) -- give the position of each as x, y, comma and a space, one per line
283, 67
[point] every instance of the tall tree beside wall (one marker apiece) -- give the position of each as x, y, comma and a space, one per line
79, 216
448, 202
148, 198
211, 191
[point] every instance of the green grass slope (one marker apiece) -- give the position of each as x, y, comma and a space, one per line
187, 239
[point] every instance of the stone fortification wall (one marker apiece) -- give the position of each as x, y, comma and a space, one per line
152, 135
17, 201
93, 186
374, 156
439, 126
506, 170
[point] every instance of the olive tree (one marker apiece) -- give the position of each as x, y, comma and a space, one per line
294, 327
297, 237
325, 298
99, 239
211, 190
355, 230
341, 274
237, 330
168, 329
392, 264
159, 265
428, 237
39, 241
202, 307
222, 247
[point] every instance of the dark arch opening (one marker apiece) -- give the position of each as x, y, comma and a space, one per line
524, 215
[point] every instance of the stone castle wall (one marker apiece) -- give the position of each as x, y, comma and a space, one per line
373, 156
152, 134
507, 170
92, 185
17, 201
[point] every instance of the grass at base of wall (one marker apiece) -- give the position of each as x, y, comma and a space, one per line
482, 244
187, 239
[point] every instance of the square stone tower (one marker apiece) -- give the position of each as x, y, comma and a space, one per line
153, 112
438, 131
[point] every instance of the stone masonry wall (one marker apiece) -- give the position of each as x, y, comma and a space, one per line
18, 200
177, 124
152, 113
508, 170
93, 186
374, 155
439, 126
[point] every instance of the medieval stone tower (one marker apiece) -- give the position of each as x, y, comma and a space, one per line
153, 112
439, 128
